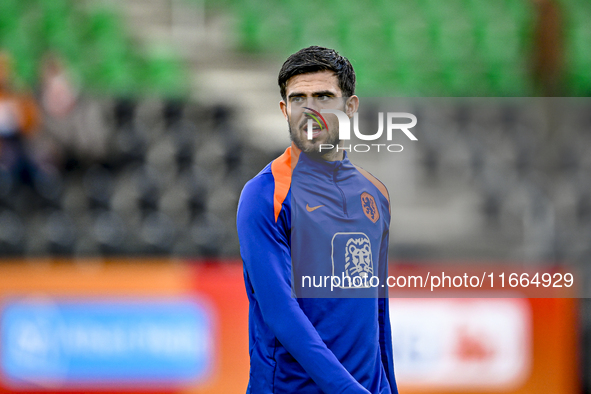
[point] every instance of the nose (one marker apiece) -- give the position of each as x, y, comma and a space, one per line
311, 113
316, 116
312, 103
308, 116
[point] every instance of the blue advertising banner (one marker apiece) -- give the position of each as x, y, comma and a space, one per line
88, 342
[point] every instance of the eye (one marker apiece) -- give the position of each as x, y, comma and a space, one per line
323, 98
297, 99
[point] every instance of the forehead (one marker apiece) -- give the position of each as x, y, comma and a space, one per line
313, 82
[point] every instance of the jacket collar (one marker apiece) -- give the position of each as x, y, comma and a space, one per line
307, 163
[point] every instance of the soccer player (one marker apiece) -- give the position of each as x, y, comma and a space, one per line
312, 211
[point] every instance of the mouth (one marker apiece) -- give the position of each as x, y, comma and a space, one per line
313, 117
316, 131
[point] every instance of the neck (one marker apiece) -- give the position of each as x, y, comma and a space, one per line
333, 154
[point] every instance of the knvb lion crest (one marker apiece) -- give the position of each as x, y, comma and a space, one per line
358, 258
352, 259
370, 209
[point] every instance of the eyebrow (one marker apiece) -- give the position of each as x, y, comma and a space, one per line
315, 94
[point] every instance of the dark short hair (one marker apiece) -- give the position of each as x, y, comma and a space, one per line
315, 58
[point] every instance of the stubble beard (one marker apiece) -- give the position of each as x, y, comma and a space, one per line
313, 148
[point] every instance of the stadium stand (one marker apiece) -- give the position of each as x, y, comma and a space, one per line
160, 173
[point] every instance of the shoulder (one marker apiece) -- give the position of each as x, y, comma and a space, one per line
259, 190
266, 193
376, 182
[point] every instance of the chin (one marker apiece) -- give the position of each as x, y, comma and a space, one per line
310, 148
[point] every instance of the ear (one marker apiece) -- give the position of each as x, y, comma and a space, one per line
283, 107
351, 105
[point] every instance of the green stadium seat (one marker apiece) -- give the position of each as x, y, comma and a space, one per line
19, 43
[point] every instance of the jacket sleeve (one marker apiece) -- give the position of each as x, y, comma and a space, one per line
384, 316
265, 251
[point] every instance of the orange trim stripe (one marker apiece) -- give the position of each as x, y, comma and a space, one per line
295, 155
281, 170
377, 183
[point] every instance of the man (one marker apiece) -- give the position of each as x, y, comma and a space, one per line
312, 211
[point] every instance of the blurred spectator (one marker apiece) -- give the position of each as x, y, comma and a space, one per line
74, 124
19, 121
59, 94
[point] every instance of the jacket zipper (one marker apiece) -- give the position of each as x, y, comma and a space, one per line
334, 178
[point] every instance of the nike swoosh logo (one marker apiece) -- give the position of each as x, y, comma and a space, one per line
310, 209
